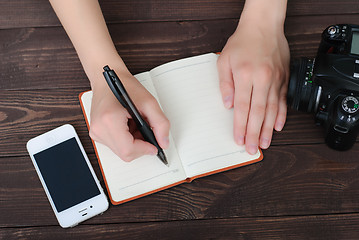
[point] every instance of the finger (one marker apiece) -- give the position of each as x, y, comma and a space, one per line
257, 113
129, 148
117, 137
242, 101
282, 110
158, 122
225, 82
269, 119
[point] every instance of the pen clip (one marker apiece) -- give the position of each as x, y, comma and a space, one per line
112, 80
122, 96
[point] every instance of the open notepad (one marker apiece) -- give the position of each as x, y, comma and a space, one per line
201, 135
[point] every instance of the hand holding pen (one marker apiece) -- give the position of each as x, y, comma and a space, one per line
112, 125
124, 98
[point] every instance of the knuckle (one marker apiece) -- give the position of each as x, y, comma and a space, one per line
106, 118
246, 66
149, 103
280, 74
225, 85
125, 155
259, 109
283, 97
266, 73
245, 70
220, 62
242, 104
253, 133
252, 138
240, 128
126, 158
95, 131
266, 69
267, 131
92, 134
163, 123
277, 75
272, 106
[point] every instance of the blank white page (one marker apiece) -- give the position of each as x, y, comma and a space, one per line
202, 128
130, 179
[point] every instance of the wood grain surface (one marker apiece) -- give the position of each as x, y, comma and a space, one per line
301, 190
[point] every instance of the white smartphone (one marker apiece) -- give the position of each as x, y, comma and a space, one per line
74, 192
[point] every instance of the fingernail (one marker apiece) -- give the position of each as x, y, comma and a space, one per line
240, 140
279, 126
264, 143
228, 102
252, 149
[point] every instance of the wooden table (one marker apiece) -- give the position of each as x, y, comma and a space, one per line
301, 190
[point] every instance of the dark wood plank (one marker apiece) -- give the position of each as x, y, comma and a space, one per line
30, 57
290, 181
25, 114
43, 58
22, 13
302, 227
37, 13
36, 58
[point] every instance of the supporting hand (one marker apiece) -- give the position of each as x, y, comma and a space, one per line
254, 70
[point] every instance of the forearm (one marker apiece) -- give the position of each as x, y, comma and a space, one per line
110, 122
86, 27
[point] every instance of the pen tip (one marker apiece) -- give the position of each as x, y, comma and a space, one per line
161, 155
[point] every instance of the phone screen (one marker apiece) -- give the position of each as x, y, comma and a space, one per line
66, 174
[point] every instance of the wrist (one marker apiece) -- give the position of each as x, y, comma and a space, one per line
269, 14
94, 69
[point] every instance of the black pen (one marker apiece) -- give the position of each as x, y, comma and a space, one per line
122, 96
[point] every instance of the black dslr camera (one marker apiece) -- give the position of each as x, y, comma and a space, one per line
328, 85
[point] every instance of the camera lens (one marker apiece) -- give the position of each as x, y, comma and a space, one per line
302, 94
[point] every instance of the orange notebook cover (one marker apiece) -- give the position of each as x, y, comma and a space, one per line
201, 135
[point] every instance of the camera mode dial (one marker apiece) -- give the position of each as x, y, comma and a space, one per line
336, 33
350, 104
333, 30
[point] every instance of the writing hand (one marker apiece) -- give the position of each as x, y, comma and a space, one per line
112, 125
